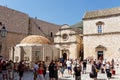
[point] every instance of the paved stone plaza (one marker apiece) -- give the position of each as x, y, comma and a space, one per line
29, 75
100, 75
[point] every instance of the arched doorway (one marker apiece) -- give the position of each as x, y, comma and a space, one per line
100, 52
100, 55
64, 56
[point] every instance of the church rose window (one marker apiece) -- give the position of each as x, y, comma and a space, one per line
65, 36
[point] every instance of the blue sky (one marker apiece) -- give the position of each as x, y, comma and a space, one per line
59, 11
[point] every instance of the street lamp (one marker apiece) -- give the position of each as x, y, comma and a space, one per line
3, 31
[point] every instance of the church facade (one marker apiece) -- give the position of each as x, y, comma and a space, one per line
69, 42
102, 34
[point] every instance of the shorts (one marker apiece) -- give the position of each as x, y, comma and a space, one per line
69, 68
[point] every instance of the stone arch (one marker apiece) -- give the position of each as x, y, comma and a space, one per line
100, 49
65, 53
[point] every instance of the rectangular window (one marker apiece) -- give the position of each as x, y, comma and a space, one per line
99, 29
37, 55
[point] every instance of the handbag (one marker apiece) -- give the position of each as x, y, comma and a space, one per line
96, 70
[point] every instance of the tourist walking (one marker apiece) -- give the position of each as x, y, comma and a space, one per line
61, 68
56, 70
10, 68
40, 72
84, 66
35, 70
94, 70
45, 68
51, 70
21, 69
108, 72
69, 66
112, 63
4, 71
77, 71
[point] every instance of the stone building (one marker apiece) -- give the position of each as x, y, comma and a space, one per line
35, 48
19, 25
69, 42
102, 34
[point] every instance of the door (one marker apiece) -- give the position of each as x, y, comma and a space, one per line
64, 56
100, 55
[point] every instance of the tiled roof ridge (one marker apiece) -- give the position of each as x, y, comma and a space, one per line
102, 13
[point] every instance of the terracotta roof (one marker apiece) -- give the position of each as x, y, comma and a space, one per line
102, 13
35, 39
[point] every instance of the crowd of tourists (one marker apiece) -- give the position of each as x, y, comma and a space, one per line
75, 68
102, 66
57, 68
8, 67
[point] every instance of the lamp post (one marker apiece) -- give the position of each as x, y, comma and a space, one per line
3, 33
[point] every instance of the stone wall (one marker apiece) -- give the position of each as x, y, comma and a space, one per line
109, 38
13, 20
111, 24
111, 42
19, 25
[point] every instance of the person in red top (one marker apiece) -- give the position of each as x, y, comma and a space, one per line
40, 72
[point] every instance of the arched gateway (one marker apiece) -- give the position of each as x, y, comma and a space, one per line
100, 51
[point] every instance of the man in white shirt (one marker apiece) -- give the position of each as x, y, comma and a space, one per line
69, 64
